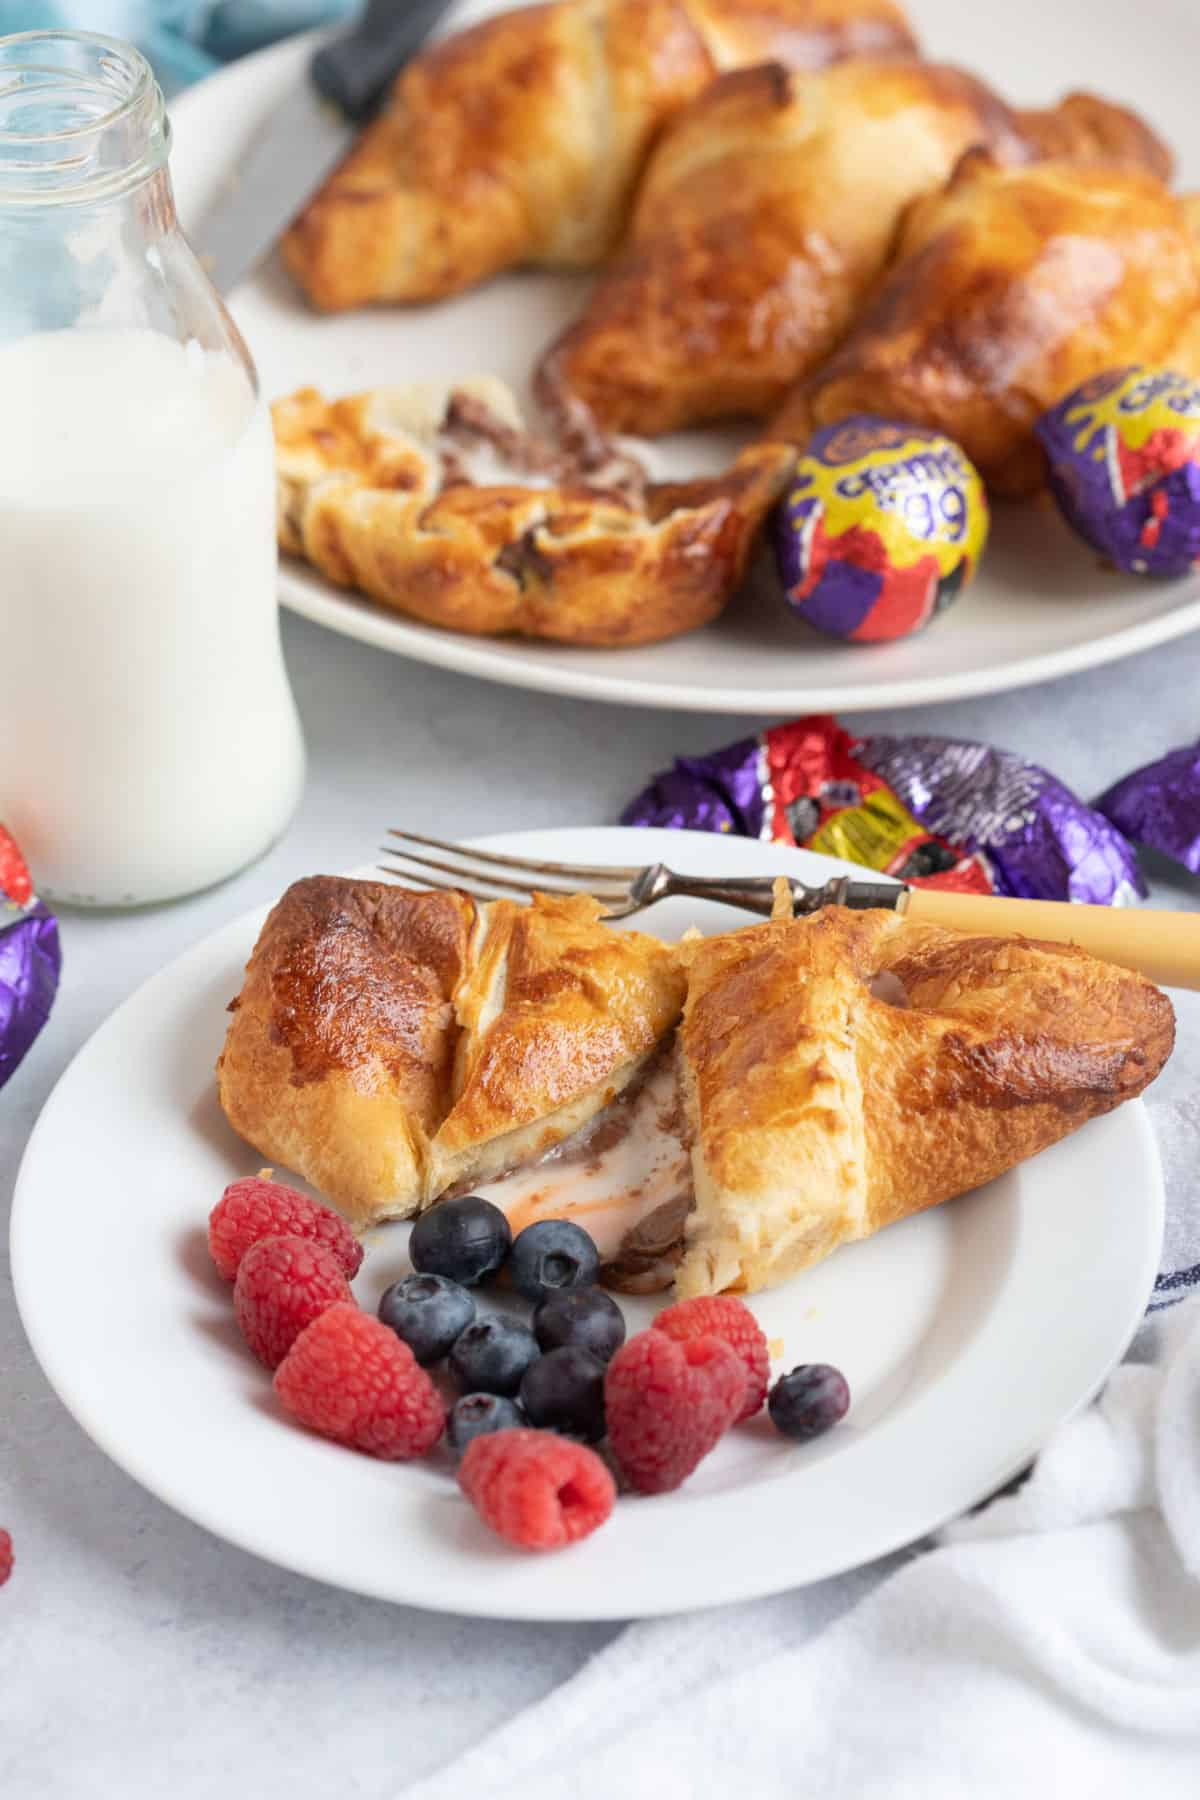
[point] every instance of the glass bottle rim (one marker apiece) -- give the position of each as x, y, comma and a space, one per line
102, 152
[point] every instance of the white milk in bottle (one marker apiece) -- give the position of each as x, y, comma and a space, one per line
151, 741
149, 744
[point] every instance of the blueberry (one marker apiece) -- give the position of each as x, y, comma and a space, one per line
463, 1239
428, 1312
808, 1401
550, 1256
491, 1356
564, 1391
587, 1317
474, 1415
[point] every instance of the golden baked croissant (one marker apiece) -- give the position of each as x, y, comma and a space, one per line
767, 212
836, 1073
820, 1112
387, 1044
520, 140
377, 491
1010, 288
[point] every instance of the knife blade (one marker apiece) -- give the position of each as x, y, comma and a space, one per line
303, 139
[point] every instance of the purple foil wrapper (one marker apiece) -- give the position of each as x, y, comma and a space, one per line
1159, 806
1042, 841
721, 792
1039, 840
30, 961
1124, 459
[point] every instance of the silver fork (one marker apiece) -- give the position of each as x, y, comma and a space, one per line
621, 892
1164, 946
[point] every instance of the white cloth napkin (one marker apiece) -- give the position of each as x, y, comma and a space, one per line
1047, 1646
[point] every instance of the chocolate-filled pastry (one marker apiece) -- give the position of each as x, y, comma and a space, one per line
830, 1075
842, 1072
439, 503
767, 213
1009, 288
520, 140
389, 1044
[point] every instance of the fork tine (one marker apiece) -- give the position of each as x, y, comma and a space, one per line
584, 871
619, 892
446, 887
502, 881
611, 910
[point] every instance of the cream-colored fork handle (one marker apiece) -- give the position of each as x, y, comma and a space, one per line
1164, 946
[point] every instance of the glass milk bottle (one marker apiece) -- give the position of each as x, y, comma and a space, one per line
149, 743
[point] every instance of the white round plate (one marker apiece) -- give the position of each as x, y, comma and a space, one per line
967, 1334
1041, 607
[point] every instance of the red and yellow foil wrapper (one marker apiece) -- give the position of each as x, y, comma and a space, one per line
819, 795
936, 812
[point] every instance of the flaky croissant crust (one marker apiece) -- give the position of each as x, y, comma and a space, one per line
768, 211
821, 1111
389, 1045
1008, 289
520, 140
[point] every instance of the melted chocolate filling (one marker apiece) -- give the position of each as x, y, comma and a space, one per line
582, 460
651, 1251
889, 988
647, 1253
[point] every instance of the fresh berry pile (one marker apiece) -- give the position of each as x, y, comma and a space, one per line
521, 1405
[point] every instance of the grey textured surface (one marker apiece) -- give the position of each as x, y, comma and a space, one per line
140, 1657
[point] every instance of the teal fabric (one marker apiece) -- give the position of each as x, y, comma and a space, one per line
183, 39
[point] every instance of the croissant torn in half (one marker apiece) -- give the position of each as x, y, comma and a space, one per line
389, 1045
1010, 288
836, 1073
520, 140
438, 502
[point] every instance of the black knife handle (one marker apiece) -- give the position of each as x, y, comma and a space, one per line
354, 71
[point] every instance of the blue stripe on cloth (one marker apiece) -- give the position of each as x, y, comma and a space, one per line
1174, 1285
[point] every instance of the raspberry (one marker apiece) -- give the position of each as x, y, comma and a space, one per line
721, 1316
350, 1378
283, 1283
256, 1208
538, 1490
668, 1403
6, 1557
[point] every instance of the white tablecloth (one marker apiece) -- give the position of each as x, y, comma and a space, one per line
140, 1657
